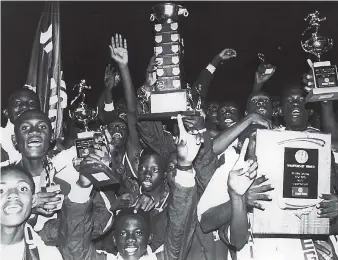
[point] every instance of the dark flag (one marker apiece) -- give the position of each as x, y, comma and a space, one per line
45, 74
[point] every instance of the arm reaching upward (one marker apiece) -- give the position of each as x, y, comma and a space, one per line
201, 85
119, 53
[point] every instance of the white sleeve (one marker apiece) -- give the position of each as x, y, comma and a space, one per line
185, 178
109, 107
216, 193
64, 158
78, 194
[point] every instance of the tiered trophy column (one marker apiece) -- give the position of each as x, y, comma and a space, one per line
169, 96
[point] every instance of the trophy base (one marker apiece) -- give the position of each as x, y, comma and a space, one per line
322, 94
102, 179
165, 115
168, 101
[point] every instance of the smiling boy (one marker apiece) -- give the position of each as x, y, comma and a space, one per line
18, 102
18, 239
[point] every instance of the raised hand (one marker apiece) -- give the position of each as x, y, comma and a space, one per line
308, 79
227, 54
264, 72
45, 203
243, 173
111, 77
257, 192
118, 50
193, 123
96, 161
328, 208
187, 144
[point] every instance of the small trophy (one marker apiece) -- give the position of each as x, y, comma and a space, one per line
264, 69
324, 74
51, 186
81, 113
100, 174
168, 97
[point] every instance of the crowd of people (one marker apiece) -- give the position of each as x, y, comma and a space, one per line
185, 189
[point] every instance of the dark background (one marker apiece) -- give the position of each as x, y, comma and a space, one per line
272, 28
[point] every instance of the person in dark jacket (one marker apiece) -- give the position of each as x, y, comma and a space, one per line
132, 234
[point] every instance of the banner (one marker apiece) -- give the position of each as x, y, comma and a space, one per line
45, 71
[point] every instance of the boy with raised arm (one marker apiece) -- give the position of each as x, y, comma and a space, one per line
132, 233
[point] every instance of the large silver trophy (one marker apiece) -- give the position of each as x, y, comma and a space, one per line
324, 74
169, 95
79, 111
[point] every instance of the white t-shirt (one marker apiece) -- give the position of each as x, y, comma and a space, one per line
216, 193
16, 251
278, 249
13, 251
7, 144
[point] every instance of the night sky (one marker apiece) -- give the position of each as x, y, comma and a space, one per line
272, 28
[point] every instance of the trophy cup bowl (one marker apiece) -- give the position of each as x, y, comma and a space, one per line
317, 45
168, 12
83, 114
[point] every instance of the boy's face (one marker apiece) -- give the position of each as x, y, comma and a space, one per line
20, 102
33, 134
295, 114
228, 115
260, 104
131, 237
119, 133
16, 198
150, 172
212, 111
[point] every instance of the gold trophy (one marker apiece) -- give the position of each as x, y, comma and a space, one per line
88, 141
324, 74
169, 95
79, 110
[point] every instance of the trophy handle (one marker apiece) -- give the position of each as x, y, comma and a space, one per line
152, 17
183, 11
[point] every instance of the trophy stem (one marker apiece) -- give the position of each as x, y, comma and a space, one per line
85, 123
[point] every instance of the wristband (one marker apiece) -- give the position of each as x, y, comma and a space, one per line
109, 107
211, 68
184, 168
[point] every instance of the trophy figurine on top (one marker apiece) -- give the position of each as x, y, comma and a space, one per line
324, 74
169, 95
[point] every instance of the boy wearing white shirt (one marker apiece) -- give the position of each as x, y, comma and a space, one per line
18, 239
18, 102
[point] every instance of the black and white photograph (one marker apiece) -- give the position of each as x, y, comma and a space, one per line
182, 130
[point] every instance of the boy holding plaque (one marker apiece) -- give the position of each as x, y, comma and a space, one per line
287, 247
32, 138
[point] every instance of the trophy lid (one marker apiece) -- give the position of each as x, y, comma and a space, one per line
168, 12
